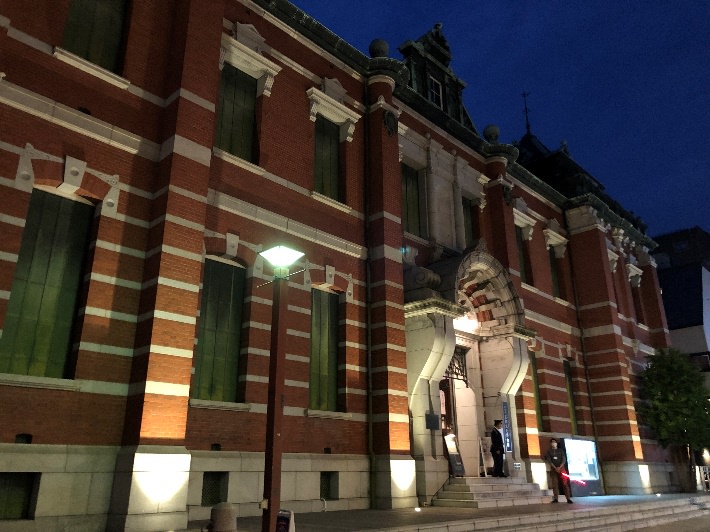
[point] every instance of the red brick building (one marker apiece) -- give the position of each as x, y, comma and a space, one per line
150, 150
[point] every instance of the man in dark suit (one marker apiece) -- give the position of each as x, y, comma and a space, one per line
497, 449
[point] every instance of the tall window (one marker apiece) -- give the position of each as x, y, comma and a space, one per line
638, 304
218, 336
436, 93
94, 30
413, 211
523, 256
43, 299
555, 273
570, 397
324, 351
470, 222
536, 389
236, 117
327, 158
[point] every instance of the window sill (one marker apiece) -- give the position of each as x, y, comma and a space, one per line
327, 414
238, 161
90, 68
27, 381
330, 201
220, 405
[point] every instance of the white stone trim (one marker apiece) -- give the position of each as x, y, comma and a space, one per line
522, 219
328, 107
90, 68
613, 260
247, 60
634, 274
330, 201
554, 238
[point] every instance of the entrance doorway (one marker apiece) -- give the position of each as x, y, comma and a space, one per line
448, 397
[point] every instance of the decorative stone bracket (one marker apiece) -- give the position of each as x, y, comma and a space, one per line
329, 281
328, 107
613, 260
554, 240
634, 274
76, 179
523, 220
241, 56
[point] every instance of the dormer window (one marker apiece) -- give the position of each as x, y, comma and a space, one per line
435, 93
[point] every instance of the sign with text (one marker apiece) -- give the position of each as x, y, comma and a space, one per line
507, 429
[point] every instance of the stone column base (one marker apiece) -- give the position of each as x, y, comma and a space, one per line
395, 482
150, 489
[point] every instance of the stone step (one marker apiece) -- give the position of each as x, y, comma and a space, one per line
607, 519
478, 492
500, 502
483, 488
486, 480
482, 495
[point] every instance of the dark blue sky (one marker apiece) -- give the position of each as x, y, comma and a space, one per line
625, 83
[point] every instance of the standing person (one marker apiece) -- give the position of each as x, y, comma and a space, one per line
557, 460
497, 449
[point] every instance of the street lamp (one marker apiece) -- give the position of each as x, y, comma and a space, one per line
280, 257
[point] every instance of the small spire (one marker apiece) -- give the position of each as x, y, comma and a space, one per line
527, 119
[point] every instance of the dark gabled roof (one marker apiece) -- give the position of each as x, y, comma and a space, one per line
558, 169
430, 56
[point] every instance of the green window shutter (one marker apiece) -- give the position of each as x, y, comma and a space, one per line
94, 31
324, 351
42, 306
236, 120
327, 158
219, 332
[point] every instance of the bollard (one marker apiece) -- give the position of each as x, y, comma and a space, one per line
285, 521
224, 518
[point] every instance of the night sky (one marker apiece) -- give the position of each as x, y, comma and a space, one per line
625, 83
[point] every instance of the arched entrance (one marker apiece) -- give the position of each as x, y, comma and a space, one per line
464, 306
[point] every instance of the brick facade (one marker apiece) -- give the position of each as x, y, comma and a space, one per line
138, 145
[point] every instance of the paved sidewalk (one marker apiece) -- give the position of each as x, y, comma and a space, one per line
410, 520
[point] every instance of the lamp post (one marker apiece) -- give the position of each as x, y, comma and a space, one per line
280, 257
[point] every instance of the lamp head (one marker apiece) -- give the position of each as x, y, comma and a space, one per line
281, 257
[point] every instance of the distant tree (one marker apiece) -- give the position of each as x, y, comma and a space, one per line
675, 407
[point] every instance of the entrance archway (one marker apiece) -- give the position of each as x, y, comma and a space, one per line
471, 305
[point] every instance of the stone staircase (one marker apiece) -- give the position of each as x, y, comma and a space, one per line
668, 512
490, 492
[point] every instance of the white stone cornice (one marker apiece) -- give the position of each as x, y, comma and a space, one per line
382, 104
613, 259
336, 112
555, 241
381, 78
522, 219
584, 218
634, 274
240, 56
